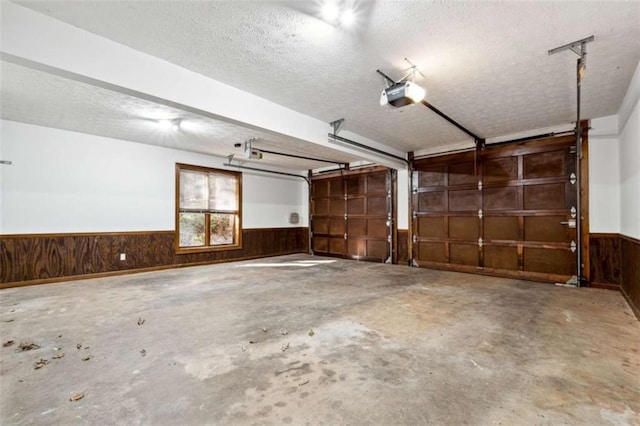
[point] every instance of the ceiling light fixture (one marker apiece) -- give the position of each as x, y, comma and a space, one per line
338, 13
166, 125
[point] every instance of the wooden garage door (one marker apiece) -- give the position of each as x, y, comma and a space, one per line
351, 215
504, 212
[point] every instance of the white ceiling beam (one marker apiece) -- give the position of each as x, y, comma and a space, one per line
36, 40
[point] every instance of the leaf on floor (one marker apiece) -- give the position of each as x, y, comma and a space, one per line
311, 333
8, 343
41, 363
304, 383
9, 320
285, 346
79, 346
143, 352
87, 358
28, 346
140, 321
77, 396
58, 355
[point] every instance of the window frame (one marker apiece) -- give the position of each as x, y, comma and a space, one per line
237, 232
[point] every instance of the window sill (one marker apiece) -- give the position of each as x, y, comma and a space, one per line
190, 250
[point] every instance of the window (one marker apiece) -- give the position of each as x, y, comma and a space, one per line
207, 209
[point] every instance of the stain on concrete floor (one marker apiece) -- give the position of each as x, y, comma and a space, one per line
390, 345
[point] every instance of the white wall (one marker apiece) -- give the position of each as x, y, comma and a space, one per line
630, 174
403, 199
63, 181
604, 176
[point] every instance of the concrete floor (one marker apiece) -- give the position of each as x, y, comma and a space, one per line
345, 343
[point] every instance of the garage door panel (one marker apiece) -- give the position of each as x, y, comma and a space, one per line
500, 169
464, 200
436, 176
501, 228
336, 208
377, 249
464, 254
377, 183
336, 188
321, 189
551, 261
337, 226
524, 196
545, 197
546, 228
432, 252
320, 225
357, 227
503, 198
356, 247
320, 244
432, 227
337, 246
356, 185
545, 164
462, 173
377, 228
321, 207
498, 257
431, 201
356, 206
377, 206
464, 228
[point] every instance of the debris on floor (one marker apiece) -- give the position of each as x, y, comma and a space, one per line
140, 321
8, 343
87, 358
264, 329
143, 352
311, 333
252, 342
285, 346
28, 346
284, 332
244, 348
79, 346
58, 355
76, 396
304, 383
9, 320
41, 363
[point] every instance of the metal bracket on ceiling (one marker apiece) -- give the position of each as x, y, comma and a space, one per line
411, 72
336, 125
578, 47
5, 162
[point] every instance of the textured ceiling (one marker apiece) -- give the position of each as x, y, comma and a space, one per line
36, 97
485, 63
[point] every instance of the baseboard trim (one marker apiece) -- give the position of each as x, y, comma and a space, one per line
605, 286
133, 271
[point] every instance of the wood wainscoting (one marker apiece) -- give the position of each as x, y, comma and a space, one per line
630, 260
615, 264
37, 259
403, 246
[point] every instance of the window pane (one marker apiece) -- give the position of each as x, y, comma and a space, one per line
193, 190
222, 227
222, 192
192, 229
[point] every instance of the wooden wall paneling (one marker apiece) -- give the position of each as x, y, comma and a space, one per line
35, 259
630, 256
605, 260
